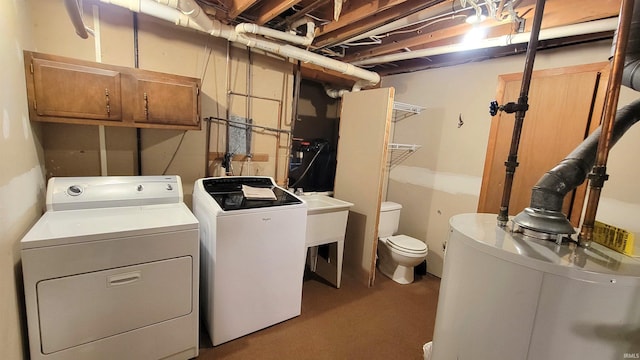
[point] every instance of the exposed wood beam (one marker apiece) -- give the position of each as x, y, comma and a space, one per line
411, 42
237, 7
380, 18
481, 54
272, 8
575, 11
559, 13
357, 10
319, 74
300, 14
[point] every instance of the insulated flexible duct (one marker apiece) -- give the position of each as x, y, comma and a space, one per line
548, 194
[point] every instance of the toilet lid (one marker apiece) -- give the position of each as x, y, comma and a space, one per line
407, 243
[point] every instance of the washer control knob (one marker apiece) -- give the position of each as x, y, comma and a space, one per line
140, 188
169, 187
74, 190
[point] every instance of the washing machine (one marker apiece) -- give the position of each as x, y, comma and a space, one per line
111, 270
252, 254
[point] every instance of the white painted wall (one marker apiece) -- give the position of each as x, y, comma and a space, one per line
21, 175
443, 178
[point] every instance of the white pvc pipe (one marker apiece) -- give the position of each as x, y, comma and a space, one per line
192, 10
151, 8
198, 20
261, 30
334, 93
545, 34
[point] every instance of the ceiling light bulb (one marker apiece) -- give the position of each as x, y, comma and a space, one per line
475, 19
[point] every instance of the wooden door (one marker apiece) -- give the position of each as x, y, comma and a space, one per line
565, 105
365, 123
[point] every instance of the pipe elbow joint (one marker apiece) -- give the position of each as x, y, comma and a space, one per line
246, 28
550, 190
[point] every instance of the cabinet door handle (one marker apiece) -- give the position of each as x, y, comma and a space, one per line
106, 95
146, 106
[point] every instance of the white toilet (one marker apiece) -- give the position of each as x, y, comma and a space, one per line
397, 254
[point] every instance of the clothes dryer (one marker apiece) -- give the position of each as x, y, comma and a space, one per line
111, 271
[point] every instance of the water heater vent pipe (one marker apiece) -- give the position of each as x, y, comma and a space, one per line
544, 214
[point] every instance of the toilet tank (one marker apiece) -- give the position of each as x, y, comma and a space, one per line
389, 218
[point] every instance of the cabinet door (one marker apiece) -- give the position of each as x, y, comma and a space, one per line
64, 90
564, 107
75, 91
165, 100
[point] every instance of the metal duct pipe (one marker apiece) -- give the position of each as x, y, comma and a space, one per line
544, 213
631, 75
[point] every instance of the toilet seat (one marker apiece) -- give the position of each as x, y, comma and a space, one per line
407, 244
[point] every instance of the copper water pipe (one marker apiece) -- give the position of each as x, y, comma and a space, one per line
523, 104
598, 175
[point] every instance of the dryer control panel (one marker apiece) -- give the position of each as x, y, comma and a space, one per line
70, 193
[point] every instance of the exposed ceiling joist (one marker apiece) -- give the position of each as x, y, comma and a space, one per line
370, 29
269, 9
237, 7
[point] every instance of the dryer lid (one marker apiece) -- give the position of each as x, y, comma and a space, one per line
407, 243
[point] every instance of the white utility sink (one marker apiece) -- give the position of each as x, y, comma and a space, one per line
317, 204
326, 223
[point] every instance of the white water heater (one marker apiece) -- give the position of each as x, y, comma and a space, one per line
507, 296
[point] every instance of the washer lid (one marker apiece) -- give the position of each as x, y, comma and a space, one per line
81, 226
407, 243
229, 195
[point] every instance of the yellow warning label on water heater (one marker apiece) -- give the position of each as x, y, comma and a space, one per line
614, 238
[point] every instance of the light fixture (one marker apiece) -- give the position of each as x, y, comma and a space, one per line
475, 19
478, 17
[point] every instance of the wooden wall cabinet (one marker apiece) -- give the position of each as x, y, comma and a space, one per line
74, 91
